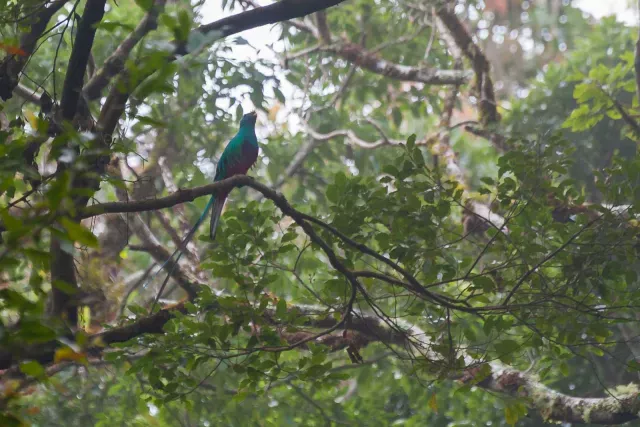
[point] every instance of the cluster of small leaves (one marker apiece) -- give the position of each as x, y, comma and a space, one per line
598, 95
592, 123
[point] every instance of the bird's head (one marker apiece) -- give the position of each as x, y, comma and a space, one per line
249, 119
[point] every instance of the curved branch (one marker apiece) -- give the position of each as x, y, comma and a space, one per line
300, 218
356, 54
353, 139
483, 83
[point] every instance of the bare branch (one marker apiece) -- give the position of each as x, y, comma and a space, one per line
27, 94
300, 53
483, 83
323, 27
356, 54
498, 140
160, 254
276, 12
353, 139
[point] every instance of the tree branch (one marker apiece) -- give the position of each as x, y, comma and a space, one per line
356, 54
92, 15
323, 27
287, 9
63, 266
554, 406
551, 405
27, 94
12, 65
115, 63
277, 12
298, 160
483, 84
353, 139
300, 218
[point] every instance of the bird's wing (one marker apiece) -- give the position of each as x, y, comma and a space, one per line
231, 155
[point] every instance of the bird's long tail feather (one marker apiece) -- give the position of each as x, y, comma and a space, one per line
215, 216
180, 250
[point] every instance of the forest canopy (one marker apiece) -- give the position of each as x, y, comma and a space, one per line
439, 227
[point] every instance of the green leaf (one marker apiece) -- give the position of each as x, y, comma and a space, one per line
146, 120
397, 116
289, 236
144, 4
510, 415
184, 24
411, 141
279, 95
110, 26
78, 233
137, 310
32, 368
484, 282
65, 287
34, 331
332, 193
506, 347
281, 308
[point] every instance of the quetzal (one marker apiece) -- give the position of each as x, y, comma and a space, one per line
238, 157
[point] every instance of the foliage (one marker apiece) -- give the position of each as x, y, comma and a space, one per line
363, 297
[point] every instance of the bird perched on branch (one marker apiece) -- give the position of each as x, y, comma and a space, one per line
238, 157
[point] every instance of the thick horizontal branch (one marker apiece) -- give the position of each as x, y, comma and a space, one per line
371, 61
554, 406
356, 54
300, 218
277, 12
181, 196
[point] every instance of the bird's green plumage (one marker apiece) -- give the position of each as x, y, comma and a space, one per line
237, 158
